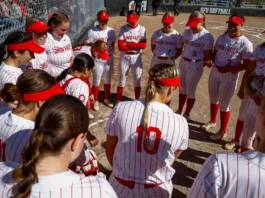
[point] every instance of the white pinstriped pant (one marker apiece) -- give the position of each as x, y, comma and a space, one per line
190, 75
162, 191
133, 61
103, 67
156, 60
247, 113
221, 87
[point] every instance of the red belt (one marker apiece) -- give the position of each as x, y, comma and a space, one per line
130, 184
131, 53
191, 60
165, 58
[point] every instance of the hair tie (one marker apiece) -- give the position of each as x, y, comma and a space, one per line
43, 130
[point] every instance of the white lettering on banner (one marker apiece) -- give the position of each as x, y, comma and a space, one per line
215, 10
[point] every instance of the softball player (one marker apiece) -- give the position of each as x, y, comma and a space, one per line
198, 46
232, 174
144, 138
131, 42
231, 54
248, 108
44, 171
58, 45
166, 43
99, 52
18, 49
38, 30
104, 33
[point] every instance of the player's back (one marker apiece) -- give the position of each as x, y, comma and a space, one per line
15, 132
8, 74
64, 185
167, 133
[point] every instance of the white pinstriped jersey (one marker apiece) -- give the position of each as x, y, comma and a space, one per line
166, 44
195, 44
8, 74
231, 51
259, 56
231, 175
76, 88
39, 62
59, 53
15, 132
132, 35
132, 160
107, 35
65, 185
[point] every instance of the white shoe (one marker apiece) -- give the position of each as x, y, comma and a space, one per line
96, 106
208, 126
90, 115
231, 145
186, 117
110, 105
217, 136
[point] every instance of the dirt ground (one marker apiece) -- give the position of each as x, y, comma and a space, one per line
200, 146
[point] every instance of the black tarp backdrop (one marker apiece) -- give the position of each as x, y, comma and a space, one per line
114, 7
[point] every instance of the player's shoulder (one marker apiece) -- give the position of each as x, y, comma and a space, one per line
6, 169
4, 111
140, 102
110, 29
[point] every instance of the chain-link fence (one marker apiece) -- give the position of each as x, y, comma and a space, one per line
14, 13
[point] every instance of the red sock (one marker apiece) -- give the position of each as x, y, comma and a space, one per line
137, 91
95, 92
239, 129
119, 93
190, 104
224, 120
106, 91
243, 149
214, 111
182, 101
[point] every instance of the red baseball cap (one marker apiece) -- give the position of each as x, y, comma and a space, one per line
132, 18
38, 26
103, 16
28, 45
168, 19
193, 22
236, 19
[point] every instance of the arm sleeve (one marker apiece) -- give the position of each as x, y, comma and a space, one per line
247, 51
110, 128
208, 180
208, 42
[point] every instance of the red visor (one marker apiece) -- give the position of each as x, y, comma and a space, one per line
236, 19
193, 22
168, 19
29, 45
38, 26
103, 16
103, 54
132, 18
169, 82
43, 95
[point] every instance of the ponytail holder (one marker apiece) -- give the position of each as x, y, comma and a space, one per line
43, 130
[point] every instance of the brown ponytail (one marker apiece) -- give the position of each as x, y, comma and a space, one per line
10, 93
157, 72
53, 129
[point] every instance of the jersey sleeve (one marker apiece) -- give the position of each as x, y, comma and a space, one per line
143, 33
208, 42
110, 128
81, 92
184, 136
90, 37
112, 36
217, 43
247, 51
153, 38
208, 180
121, 34
179, 41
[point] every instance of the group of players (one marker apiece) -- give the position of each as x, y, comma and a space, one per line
42, 136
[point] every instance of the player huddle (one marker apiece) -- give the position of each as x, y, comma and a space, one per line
46, 102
